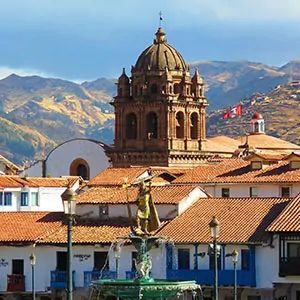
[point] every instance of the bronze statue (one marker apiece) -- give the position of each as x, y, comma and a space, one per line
146, 216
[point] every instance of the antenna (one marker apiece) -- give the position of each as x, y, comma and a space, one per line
160, 18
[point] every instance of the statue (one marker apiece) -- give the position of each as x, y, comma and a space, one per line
146, 216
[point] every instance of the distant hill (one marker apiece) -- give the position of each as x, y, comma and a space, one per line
279, 107
229, 82
37, 113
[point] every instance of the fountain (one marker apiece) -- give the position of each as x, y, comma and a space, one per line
143, 286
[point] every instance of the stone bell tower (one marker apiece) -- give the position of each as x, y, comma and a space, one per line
159, 111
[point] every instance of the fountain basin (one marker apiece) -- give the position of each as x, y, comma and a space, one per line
139, 289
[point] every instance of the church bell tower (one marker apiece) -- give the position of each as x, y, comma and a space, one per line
159, 111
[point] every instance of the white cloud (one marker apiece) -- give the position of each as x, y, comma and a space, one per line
256, 10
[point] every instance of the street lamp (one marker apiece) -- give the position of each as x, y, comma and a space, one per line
69, 203
214, 226
234, 260
32, 263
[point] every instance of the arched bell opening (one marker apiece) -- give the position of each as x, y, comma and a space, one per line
179, 125
194, 126
152, 128
131, 126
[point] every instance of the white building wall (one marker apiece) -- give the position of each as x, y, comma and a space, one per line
243, 190
120, 210
59, 160
36, 170
192, 197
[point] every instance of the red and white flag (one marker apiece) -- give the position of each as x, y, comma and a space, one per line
235, 111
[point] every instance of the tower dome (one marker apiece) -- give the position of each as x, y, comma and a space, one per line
160, 56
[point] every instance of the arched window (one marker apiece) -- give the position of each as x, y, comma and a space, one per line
171, 89
131, 126
179, 125
194, 126
177, 88
256, 127
154, 89
79, 167
152, 125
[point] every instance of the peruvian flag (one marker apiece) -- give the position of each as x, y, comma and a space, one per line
235, 111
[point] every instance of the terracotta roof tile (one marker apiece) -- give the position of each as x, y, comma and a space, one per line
89, 232
9, 181
238, 170
289, 219
167, 194
242, 220
115, 176
46, 182
27, 226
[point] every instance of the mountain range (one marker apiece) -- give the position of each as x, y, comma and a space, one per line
38, 113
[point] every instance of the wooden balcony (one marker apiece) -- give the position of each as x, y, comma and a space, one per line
16, 283
289, 266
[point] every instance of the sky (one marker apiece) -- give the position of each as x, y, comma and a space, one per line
88, 39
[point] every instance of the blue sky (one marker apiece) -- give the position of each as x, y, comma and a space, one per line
88, 39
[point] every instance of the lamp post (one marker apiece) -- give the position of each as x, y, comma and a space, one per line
32, 263
214, 226
234, 260
69, 203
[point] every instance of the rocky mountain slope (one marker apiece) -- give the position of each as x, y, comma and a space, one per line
38, 113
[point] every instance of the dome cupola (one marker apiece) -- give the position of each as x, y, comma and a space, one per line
160, 56
258, 124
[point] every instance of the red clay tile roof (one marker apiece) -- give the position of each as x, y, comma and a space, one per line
46, 182
168, 194
9, 181
27, 226
89, 232
289, 219
238, 170
45, 227
116, 176
242, 220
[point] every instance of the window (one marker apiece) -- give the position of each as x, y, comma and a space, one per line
101, 261
18, 267
253, 191
35, 199
183, 259
24, 199
212, 259
285, 191
256, 165
245, 259
7, 198
103, 211
225, 192
293, 250
61, 261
